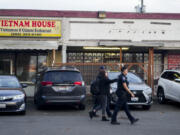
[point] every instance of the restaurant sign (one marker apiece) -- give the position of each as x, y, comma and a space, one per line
30, 28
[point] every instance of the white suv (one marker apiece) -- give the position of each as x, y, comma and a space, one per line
169, 86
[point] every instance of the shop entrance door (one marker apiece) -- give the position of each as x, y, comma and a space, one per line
6, 63
4, 66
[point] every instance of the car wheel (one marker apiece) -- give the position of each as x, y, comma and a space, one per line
35, 101
82, 107
146, 107
39, 106
161, 97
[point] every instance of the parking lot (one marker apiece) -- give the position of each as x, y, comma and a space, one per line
160, 119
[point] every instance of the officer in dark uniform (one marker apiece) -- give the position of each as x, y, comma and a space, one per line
122, 92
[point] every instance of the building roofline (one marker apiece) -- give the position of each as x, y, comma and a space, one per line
87, 14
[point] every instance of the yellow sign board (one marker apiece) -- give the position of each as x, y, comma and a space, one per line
30, 28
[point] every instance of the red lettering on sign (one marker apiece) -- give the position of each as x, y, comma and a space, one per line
43, 24
21, 24
10, 23
49, 24
15, 23
53, 24
4, 23
39, 23
33, 23
26, 23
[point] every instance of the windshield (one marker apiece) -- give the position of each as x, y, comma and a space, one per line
132, 78
9, 82
62, 76
113, 75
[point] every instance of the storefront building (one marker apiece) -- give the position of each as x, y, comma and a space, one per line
32, 39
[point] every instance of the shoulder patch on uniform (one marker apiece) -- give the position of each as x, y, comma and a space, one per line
123, 78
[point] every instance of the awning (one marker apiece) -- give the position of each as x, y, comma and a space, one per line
28, 45
130, 44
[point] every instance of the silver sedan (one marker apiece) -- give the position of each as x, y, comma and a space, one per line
142, 92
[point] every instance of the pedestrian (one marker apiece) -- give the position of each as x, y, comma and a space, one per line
97, 101
122, 92
104, 88
96, 96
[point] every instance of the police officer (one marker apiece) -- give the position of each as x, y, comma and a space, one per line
122, 92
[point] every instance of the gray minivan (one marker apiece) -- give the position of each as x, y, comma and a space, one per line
60, 86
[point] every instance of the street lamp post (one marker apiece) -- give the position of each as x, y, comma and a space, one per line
142, 6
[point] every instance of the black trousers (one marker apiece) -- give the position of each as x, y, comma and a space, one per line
102, 100
98, 105
108, 110
121, 104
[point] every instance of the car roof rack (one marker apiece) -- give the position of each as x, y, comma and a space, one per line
47, 68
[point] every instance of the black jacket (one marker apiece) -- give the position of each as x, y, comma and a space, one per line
121, 92
104, 84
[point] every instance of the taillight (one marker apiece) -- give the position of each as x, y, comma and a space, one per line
46, 83
78, 83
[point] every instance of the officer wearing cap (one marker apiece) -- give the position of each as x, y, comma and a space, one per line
122, 92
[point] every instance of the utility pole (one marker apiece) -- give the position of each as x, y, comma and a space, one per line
142, 6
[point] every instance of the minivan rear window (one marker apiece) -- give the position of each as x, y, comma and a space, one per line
62, 76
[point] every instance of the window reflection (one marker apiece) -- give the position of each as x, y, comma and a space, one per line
26, 66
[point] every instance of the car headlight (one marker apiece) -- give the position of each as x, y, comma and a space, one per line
19, 96
112, 90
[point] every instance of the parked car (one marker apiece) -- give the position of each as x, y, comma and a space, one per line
142, 92
60, 86
12, 95
169, 86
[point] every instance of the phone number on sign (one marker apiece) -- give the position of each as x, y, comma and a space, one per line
26, 34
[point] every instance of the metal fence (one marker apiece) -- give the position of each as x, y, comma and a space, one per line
89, 71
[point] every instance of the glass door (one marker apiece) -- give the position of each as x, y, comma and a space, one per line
6, 64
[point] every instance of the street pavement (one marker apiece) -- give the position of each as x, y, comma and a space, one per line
159, 120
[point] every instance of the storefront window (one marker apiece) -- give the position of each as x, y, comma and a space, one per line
26, 66
6, 64
75, 57
42, 62
111, 58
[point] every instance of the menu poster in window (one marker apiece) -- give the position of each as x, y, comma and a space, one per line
173, 61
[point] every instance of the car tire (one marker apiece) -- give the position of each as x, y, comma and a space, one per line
161, 96
146, 107
82, 107
35, 102
39, 106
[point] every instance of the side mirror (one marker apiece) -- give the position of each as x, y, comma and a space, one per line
24, 85
177, 80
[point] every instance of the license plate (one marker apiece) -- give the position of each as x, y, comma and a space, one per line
134, 99
2, 105
61, 88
